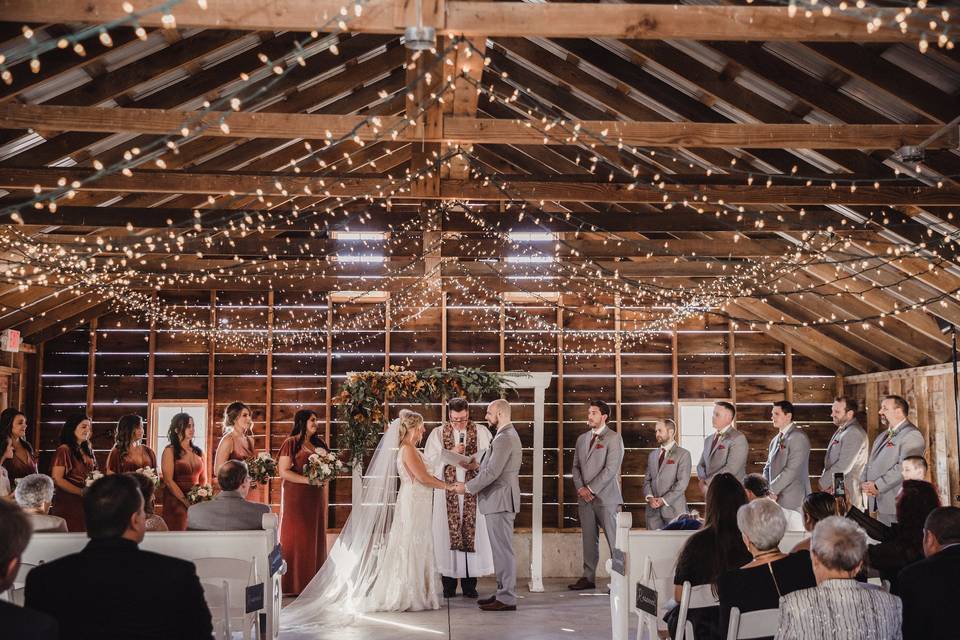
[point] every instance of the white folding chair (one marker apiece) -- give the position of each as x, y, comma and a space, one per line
753, 624
692, 597
16, 592
224, 583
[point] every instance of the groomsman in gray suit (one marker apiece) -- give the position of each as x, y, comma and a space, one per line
788, 459
596, 465
497, 487
724, 451
846, 452
881, 478
668, 474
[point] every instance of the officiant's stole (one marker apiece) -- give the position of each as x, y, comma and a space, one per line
463, 531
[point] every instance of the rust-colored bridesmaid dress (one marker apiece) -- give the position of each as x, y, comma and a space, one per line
303, 531
186, 473
130, 464
17, 468
67, 505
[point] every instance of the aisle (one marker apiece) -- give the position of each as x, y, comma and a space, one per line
556, 613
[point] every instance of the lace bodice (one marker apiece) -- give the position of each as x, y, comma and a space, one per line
407, 481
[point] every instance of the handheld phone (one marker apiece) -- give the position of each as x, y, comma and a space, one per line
838, 489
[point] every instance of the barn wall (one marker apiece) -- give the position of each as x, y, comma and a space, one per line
106, 369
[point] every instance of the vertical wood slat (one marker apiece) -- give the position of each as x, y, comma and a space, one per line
443, 330
151, 373
268, 413
871, 406
732, 362
503, 342
560, 465
675, 376
328, 403
211, 379
38, 399
91, 365
788, 371
387, 321
617, 362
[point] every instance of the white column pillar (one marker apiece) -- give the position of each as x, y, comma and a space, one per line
536, 551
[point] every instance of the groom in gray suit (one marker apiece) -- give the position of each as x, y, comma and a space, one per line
596, 464
497, 487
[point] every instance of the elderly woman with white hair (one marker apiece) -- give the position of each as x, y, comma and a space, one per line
771, 574
839, 607
34, 494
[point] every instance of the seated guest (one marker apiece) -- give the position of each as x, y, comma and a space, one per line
929, 587
839, 607
229, 510
817, 506
901, 543
147, 489
757, 487
772, 574
112, 589
17, 622
34, 494
709, 553
914, 468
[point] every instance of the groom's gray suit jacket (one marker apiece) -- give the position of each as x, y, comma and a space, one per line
497, 483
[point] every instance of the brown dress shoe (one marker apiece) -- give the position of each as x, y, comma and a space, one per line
581, 584
496, 605
489, 600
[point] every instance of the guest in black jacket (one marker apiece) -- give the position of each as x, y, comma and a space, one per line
112, 589
17, 622
929, 588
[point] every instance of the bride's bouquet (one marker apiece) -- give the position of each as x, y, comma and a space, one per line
321, 466
261, 468
199, 493
92, 476
151, 474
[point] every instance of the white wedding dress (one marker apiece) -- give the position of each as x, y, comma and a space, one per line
383, 559
408, 577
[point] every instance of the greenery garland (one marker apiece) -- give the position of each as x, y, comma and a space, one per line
360, 402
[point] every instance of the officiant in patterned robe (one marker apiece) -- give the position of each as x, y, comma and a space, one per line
460, 540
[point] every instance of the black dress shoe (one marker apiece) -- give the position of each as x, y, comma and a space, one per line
581, 584
486, 601
496, 605
449, 594
473, 595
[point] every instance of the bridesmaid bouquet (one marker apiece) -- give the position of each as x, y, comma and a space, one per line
151, 474
322, 466
199, 493
262, 467
92, 476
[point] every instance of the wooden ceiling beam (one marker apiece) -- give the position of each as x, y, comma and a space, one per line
465, 130
639, 21
151, 181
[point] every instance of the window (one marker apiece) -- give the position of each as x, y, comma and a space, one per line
162, 411
696, 423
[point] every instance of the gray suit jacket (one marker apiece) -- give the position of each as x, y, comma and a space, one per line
670, 481
883, 465
730, 456
228, 511
788, 467
597, 467
497, 483
846, 454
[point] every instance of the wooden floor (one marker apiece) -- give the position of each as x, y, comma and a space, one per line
556, 613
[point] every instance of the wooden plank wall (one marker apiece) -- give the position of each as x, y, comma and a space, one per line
930, 393
579, 345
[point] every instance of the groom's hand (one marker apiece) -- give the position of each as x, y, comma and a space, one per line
459, 488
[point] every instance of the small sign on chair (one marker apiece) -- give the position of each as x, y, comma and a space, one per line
275, 559
254, 597
646, 599
619, 562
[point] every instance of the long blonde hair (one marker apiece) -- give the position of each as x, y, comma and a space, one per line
409, 420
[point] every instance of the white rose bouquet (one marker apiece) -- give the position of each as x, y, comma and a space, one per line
321, 466
92, 476
261, 468
151, 474
199, 493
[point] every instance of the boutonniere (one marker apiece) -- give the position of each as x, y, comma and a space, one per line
599, 446
835, 442
722, 446
889, 444
669, 461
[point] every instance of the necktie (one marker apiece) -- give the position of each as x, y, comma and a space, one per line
713, 445
593, 440
663, 452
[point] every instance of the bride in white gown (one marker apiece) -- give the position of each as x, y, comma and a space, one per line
383, 559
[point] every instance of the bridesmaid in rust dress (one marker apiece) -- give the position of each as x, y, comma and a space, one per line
302, 507
237, 440
129, 453
183, 467
72, 462
13, 425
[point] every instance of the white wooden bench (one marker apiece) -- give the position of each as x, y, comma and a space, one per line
187, 545
662, 548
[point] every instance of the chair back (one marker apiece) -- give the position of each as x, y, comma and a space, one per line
753, 624
16, 594
692, 597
